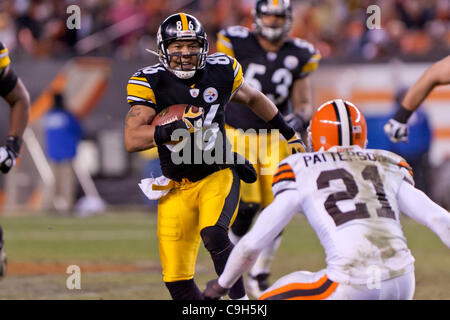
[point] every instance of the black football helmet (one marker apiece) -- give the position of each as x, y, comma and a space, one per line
275, 7
181, 26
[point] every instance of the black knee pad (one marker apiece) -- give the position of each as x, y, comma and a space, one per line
243, 221
184, 290
215, 239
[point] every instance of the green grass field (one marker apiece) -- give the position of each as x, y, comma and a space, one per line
118, 257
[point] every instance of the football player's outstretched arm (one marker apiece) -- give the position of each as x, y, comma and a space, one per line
268, 225
139, 134
14, 92
422, 209
437, 74
19, 101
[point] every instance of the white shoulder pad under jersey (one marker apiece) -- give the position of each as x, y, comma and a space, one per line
350, 200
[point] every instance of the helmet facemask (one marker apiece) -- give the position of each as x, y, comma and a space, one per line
272, 33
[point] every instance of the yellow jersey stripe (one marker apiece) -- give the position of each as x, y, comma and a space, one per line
275, 2
312, 63
184, 21
4, 58
139, 78
238, 78
140, 92
224, 45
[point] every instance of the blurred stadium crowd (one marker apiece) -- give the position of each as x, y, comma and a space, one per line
412, 30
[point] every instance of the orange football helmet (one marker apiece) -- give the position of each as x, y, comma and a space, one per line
337, 123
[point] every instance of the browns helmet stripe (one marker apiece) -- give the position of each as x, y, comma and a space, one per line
338, 122
345, 123
350, 125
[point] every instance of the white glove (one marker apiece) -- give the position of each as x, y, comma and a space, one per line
7, 159
396, 131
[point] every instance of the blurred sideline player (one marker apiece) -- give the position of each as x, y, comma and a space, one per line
438, 74
278, 66
203, 197
16, 95
352, 197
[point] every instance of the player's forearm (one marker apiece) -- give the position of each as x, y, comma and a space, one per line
422, 209
302, 98
262, 106
418, 92
19, 101
437, 74
139, 138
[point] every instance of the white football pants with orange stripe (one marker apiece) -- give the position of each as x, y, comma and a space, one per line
305, 285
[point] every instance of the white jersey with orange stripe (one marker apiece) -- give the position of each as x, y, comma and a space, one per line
352, 198
349, 197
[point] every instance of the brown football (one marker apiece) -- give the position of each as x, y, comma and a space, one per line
170, 114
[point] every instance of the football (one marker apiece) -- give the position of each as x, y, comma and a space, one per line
170, 114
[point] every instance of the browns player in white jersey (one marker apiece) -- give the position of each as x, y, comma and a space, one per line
352, 197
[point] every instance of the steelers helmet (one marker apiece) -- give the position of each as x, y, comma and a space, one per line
275, 7
181, 26
337, 123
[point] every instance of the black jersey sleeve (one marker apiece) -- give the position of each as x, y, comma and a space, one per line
9, 80
4, 56
309, 56
230, 38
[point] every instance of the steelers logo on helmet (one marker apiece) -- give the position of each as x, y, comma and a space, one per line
182, 27
337, 123
279, 8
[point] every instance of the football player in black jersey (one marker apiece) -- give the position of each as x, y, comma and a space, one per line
204, 195
16, 95
279, 67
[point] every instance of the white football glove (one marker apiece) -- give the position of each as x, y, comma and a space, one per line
7, 159
396, 131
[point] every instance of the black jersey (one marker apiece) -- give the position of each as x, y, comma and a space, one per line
210, 89
272, 73
7, 81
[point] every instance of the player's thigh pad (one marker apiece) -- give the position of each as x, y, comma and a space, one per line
219, 199
178, 233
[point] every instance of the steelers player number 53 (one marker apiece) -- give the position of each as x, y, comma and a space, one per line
281, 77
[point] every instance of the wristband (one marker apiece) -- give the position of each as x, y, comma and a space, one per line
14, 144
402, 115
278, 123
